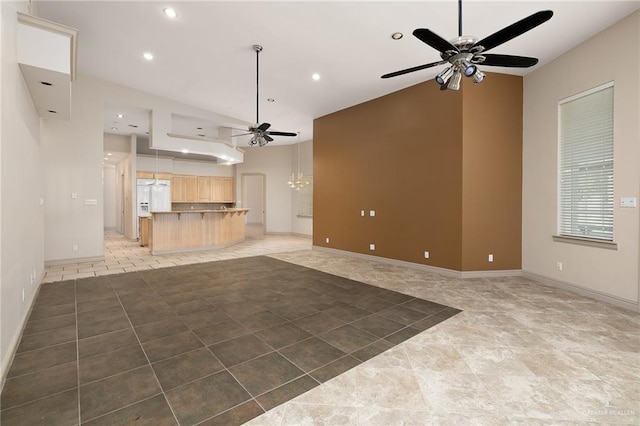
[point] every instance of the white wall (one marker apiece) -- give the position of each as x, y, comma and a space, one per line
21, 178
275, 163
73, 163
109, 184
73, 155
301, 225
253, 197
610, 55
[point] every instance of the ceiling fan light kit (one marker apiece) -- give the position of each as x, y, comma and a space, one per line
465, 53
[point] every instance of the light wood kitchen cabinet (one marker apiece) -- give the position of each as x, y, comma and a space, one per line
191, 189
227, 189
201, 189
204, 189
216, 189
178, 189
140, 174
222, 189
144, 231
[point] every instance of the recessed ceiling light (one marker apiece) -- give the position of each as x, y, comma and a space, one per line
106, 158
46, 83
108, 153
315, 76
148, 56
170, 12
185, 151
52, 111
120, 115
397, 35
271, 100
201, 134
133, 125
114, 128
198, 128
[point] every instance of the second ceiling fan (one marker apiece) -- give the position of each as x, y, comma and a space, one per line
465, 53
260, 133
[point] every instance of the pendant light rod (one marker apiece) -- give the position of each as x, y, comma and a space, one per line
257, 48
459, 18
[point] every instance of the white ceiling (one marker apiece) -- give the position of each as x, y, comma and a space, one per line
204, 57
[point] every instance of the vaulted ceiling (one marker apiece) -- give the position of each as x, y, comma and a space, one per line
204, 57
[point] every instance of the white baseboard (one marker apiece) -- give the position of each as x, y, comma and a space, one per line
592, 294
15, 341
426, 268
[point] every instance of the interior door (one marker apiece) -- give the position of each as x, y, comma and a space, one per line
254, 199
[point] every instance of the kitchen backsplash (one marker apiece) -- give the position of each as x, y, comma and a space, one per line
199, 206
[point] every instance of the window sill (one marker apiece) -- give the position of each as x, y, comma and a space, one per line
589, 242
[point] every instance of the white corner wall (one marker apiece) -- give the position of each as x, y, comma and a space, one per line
21, 178
109, 183
301, 225
612, 55
275, 163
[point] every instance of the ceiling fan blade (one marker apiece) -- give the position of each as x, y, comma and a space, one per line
263, 127
514, 30
408, 70
508, 61
274, 133
242, 134
433, 40
268, 138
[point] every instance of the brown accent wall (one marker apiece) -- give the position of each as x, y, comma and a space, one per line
492, 173
402, 155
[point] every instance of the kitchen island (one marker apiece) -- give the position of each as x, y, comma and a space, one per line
191, 230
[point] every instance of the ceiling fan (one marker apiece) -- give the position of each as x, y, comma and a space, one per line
261, 135
465, 53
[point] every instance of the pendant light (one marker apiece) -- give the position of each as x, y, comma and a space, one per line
298, 181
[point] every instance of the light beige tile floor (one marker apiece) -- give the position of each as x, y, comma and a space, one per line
519, 354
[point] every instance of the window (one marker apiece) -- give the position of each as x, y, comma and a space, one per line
586, 165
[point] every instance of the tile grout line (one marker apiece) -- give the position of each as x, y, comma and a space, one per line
75, 299
224, 369
147, 358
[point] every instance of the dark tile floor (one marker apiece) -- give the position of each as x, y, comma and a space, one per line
211, 343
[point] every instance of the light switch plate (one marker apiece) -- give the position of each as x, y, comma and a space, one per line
628, 202
372, 213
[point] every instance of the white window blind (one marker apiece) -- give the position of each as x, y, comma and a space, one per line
586, 165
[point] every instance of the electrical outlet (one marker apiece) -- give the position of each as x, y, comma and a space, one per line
559, 266
372, 213
74, 247
426, 254
326, 240
490, 258
372, 246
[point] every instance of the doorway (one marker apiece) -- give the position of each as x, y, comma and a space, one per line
254, 199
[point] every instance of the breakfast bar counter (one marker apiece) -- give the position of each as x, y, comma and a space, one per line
191, 230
